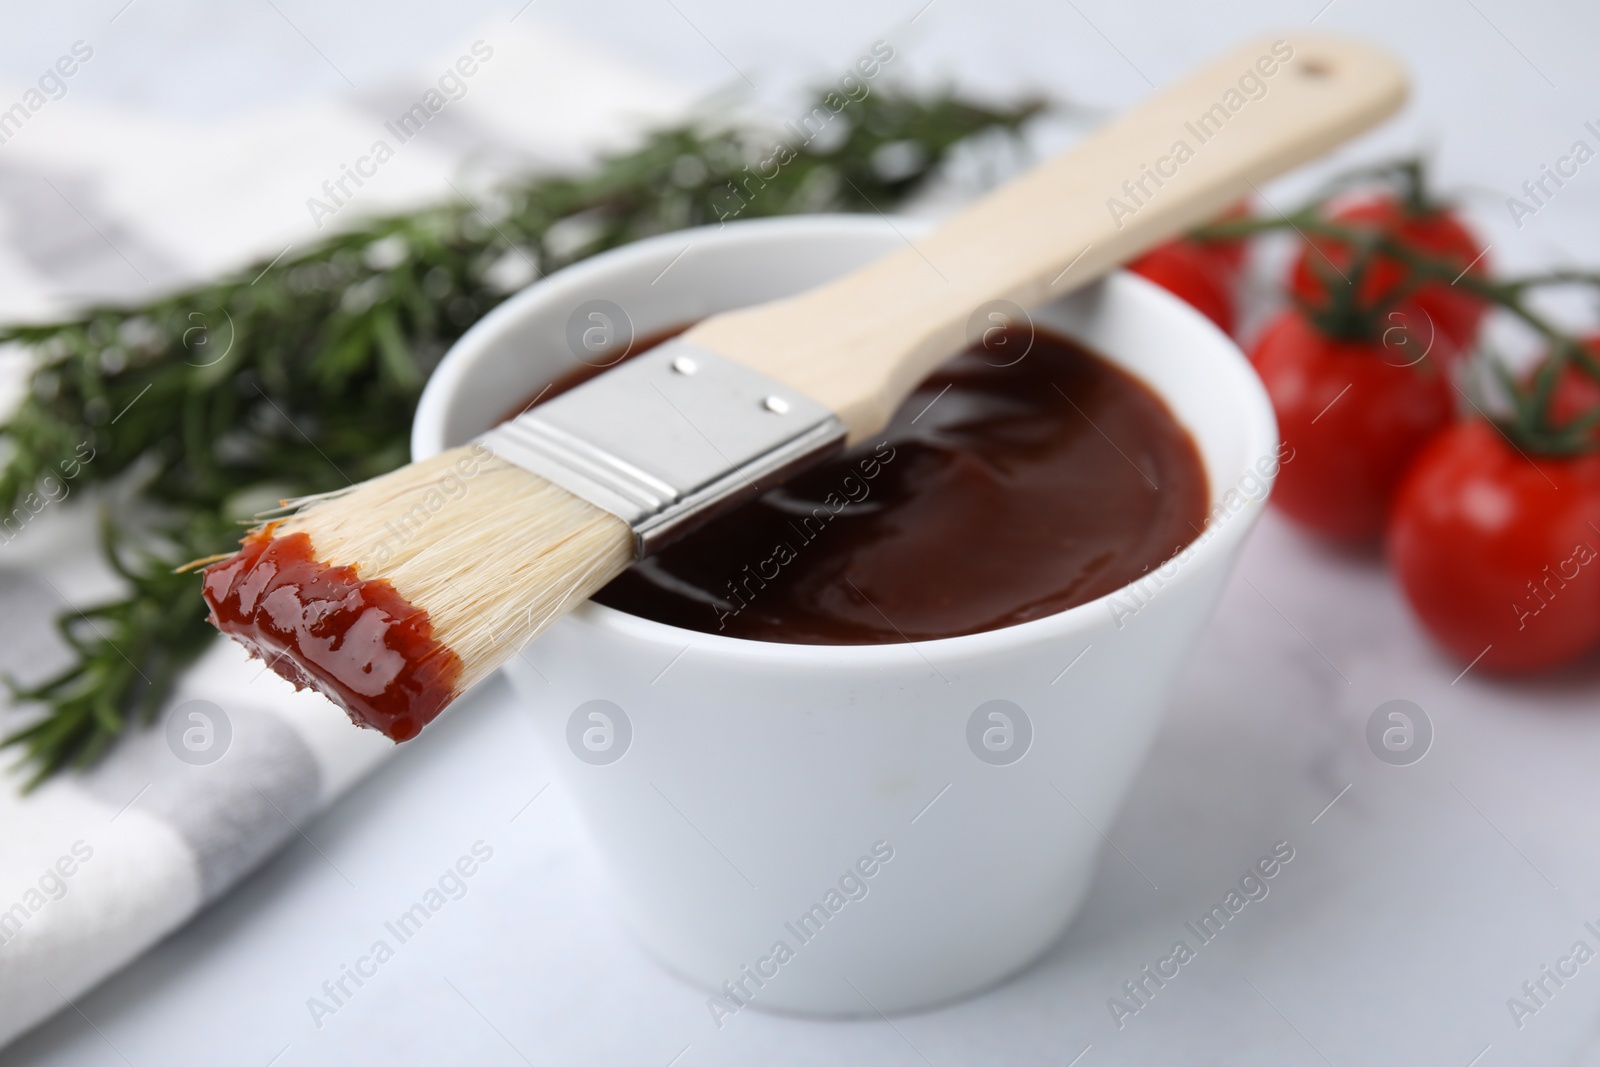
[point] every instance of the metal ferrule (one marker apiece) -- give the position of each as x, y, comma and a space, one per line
666, 440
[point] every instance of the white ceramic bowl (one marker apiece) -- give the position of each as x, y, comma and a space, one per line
733, 787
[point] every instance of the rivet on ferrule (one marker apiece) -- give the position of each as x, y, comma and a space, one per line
670, 438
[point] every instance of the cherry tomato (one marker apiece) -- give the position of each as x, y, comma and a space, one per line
1577, 394
1354, 413
1195, 273
1453, 311
1499, 552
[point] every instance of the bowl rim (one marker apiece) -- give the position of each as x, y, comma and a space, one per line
455, 369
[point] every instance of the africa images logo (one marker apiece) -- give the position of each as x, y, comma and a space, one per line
450, 86
599, 732
198, 732
999, 732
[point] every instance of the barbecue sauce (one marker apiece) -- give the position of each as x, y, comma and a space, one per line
355, 639
1004, 489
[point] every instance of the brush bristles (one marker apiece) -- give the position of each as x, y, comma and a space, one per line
492, 553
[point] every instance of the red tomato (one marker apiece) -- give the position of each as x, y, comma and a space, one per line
1194, 273
1577, 394
1454, 312
1500, 551
1354, 413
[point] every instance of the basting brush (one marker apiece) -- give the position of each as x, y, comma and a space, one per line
566, 496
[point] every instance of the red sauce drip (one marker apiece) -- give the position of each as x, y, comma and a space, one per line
357, 641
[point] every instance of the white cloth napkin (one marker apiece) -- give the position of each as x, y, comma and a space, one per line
95, 868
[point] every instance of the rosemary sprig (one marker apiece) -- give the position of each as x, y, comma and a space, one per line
208, 405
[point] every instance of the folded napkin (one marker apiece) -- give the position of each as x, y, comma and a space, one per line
96, 867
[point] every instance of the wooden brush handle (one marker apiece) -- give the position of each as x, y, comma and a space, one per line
862, 343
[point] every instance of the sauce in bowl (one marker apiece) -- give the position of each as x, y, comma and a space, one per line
1003, 490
